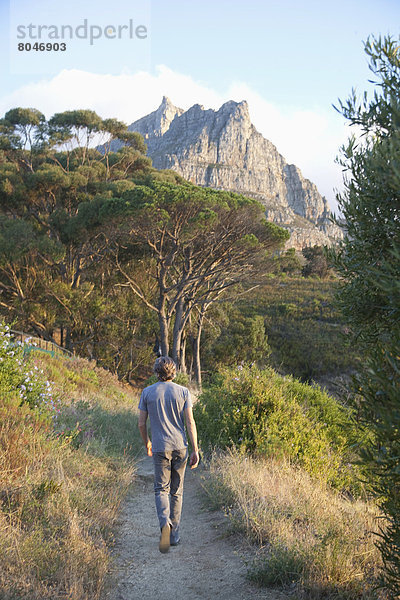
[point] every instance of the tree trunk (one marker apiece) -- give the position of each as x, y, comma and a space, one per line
163, 334
182, 357
196, 352
162, 317
177, 333
68, 340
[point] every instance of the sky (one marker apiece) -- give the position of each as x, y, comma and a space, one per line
290, 59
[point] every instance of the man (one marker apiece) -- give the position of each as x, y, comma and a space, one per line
168, 405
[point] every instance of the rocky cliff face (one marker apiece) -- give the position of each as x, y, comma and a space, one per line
223, 150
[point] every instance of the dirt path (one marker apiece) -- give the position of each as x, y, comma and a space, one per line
207, 565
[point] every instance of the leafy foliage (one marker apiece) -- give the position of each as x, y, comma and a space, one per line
369, 264
21, 380
51, 251
243, 339
300, 330
317, 262
263, 413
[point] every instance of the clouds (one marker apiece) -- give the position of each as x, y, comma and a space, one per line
308, 138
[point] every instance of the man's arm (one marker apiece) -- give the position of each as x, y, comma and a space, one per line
192, 431
143, 431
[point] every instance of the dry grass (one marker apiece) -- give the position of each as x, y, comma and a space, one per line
310, 538
60, 492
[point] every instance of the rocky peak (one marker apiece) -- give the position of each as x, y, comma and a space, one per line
222, 149
165, 102
157, 123
238, 110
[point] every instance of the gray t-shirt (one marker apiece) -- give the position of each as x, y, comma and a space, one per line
165, 403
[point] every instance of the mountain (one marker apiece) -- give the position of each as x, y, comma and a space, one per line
222, 149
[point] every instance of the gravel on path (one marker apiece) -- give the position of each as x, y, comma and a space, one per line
208, 564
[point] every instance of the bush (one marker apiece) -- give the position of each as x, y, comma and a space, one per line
19, 378
317, 262
368, 261
300, 325
245, 339
261, 412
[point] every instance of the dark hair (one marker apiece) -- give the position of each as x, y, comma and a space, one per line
165, 368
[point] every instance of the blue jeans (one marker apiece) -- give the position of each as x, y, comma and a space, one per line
169, 473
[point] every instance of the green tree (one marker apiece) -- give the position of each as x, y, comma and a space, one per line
368, 261
317, 262
51, 255
287, 262
196, 243
235, 338
80, 225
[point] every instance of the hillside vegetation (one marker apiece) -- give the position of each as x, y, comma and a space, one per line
66, 450
264, 414
283, 465
313, 541
289, 323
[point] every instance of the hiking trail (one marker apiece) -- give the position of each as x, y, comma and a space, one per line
208, 564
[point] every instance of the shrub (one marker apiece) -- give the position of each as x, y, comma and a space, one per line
261, 412
301, 326
245, 339
317, 262
19, 378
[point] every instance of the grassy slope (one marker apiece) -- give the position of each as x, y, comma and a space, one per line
312, 540
58, 510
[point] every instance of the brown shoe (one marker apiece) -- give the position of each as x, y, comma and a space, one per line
164, 539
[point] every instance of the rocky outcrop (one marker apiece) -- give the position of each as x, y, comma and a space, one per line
157, 123
222, 149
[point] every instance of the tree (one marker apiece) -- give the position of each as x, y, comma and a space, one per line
196, 243
317, 262
368, 261
49, 256
289, 262
241, 339
80, 225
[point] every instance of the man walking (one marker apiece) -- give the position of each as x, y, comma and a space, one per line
168, 405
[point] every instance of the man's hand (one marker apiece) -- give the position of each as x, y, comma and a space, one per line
149, 448
194, 460
143, 431
192, 431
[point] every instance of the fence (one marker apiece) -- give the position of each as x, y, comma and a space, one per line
34, 343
